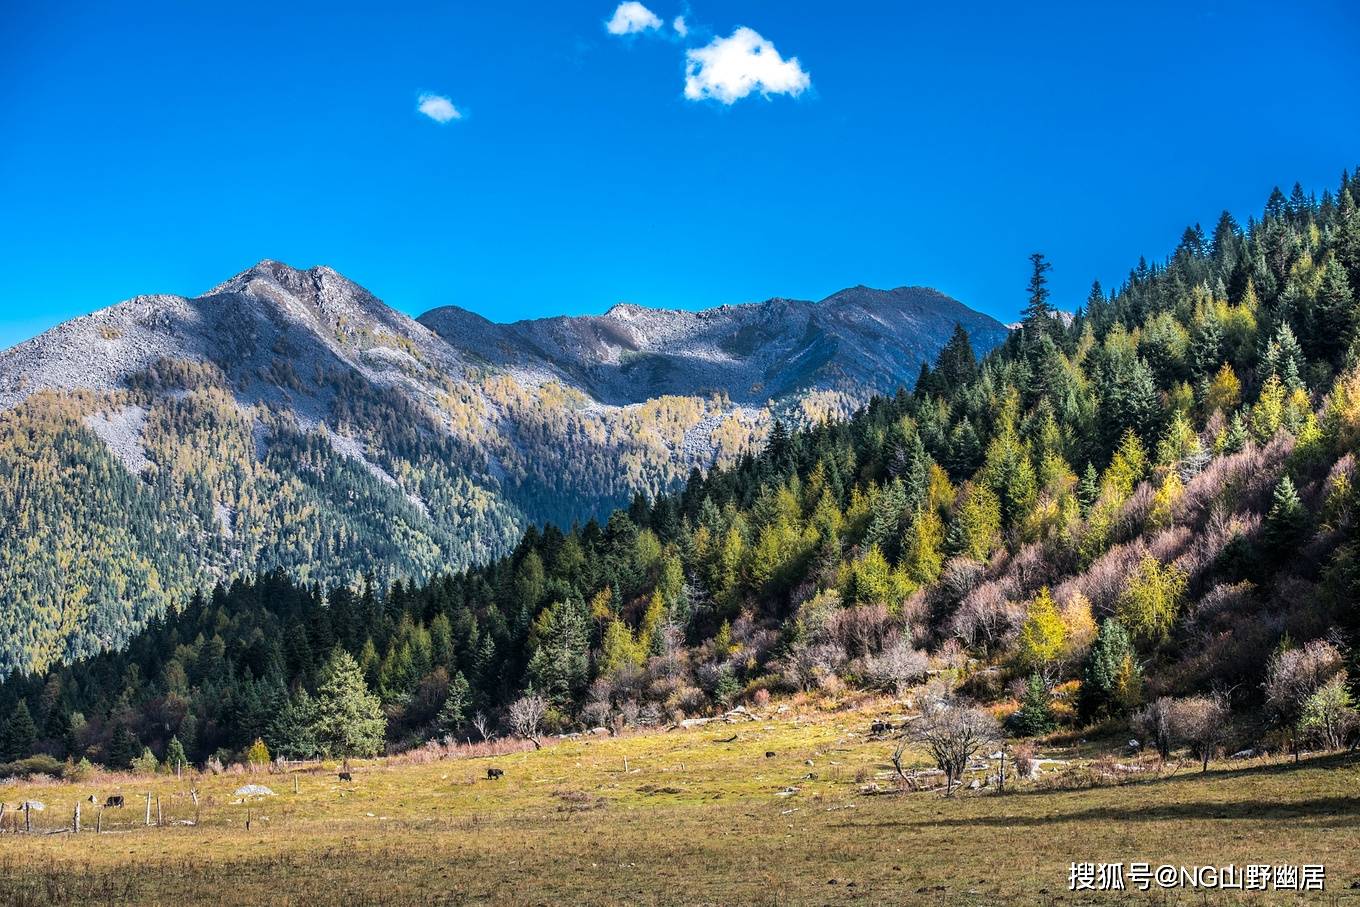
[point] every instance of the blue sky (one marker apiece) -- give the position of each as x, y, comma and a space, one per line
163, 147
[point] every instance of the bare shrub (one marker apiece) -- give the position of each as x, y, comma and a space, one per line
1293, 675
1202, 723
1023, 757
1134, 515
686, 700
1105, 580
861, 630
1223, 603
596, 713
1029, 569
1169, 544
988, 617
1152, 724
952, 732
525, 717
897, 667
958, 577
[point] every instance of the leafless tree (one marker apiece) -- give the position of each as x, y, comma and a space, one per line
897, 667
482, 724
1153, 724
526, 717
1293, 675
952, 731
1203, 722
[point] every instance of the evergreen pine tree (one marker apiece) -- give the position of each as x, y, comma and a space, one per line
1286, 522
1088, 491
123, 748
18, 735
1035, 715
175, 760
1103, 674
1334, 315
453, 713
1038, 315
1206, 347
349, 720
957, 364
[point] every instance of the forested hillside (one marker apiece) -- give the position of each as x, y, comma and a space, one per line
290, 419
1151, 502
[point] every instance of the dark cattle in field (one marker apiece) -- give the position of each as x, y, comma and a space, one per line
494, 774
115, 802
346, 776
769, 754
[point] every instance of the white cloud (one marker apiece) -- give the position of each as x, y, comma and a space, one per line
681, 28
631, 18
438, 108
731, 68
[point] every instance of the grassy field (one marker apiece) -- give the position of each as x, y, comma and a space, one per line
685, 816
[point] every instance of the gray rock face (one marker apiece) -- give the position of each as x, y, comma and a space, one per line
858, 341
288, 339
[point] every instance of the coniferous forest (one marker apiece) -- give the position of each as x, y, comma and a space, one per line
1145, 505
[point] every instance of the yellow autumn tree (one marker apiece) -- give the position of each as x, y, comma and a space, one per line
618, 649
1153, 599
1043, 634
1225, 391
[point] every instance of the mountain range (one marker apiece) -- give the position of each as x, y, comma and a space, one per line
289, 419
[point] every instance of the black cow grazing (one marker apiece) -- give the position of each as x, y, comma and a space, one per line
114, 802
494, 774
769, 754
346, 776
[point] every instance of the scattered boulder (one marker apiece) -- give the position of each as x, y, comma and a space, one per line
254, 790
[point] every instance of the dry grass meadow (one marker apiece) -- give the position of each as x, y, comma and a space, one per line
680, 817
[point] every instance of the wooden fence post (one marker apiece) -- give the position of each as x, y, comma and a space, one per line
193, 795
148, 809
28, 819
99, 821
158, 810
75, 821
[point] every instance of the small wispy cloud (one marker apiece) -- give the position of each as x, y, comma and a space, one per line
632, 18
728, 69
438, 108
680, 26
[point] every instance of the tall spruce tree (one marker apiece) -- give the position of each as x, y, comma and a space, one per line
18, 735
349, 719
1038, 314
